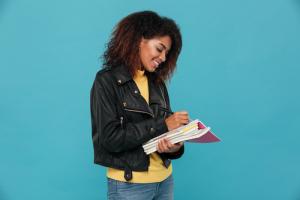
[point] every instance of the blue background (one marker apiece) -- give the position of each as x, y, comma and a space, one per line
238, 72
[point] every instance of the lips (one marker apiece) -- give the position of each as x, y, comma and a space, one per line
156, 63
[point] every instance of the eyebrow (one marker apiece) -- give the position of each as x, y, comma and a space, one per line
164, 46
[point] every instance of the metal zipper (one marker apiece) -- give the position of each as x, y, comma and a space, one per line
163, 96
139, 111
121, 121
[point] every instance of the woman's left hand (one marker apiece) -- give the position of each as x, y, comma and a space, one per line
165, 146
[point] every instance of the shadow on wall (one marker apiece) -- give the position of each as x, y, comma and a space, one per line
2, 195
2, 7
297, 2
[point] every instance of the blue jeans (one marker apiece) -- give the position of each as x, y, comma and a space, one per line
118, 190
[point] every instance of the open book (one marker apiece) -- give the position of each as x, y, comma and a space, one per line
194, 131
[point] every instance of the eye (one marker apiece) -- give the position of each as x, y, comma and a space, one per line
159, 50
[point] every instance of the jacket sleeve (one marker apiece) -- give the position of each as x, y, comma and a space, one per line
179, 153
108, 128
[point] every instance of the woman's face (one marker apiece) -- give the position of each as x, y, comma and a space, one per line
154, 51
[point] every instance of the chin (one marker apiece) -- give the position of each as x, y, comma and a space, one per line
150, 69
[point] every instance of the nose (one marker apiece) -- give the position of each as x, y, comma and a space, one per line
162, 57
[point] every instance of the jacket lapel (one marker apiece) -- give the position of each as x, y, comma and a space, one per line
133, 100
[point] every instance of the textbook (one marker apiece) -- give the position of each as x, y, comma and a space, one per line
194, 131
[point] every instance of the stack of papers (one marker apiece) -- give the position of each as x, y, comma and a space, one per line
207, 137
195, 131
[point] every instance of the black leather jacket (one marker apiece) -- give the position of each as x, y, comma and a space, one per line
122, 121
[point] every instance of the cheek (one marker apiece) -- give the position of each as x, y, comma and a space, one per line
152, 54
148, 54
144, 56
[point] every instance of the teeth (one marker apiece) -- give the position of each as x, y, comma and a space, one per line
156, 63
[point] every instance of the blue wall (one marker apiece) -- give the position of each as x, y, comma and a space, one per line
238, 73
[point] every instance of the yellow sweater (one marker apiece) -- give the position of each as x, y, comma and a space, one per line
157, 172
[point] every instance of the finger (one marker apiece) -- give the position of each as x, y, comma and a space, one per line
183, 112
159, 147
179, 114
179, 117
164, 145
182, 116
172, 147
169, 144
185, 121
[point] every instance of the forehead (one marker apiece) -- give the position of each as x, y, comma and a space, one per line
163, 40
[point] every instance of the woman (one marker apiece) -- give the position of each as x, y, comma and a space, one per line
130, 105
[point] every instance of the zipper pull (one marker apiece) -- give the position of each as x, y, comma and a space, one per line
121, 121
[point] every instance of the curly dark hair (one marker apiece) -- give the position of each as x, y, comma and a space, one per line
123, 47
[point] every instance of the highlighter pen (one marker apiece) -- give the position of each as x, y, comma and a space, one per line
170, 112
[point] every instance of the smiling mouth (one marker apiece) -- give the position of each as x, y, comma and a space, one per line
156, 63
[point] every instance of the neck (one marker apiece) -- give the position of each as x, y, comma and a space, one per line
140, 73
141, 68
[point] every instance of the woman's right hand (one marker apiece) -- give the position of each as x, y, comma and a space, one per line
177, 119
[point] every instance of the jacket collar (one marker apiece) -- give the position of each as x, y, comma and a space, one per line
155, 94
122, 76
